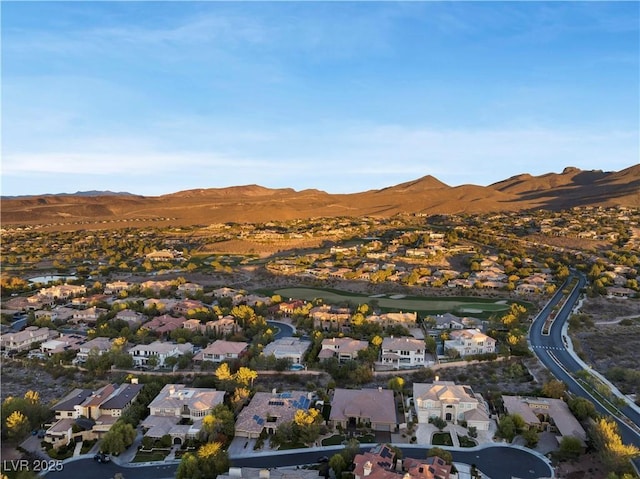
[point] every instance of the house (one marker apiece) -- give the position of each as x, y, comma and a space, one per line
223, 326
288, 307
221, 350
287, 348
344, 349
392, 319
89, 315
164, 324
63, 291
156, 286
165, 255
267, 411
470, 341
546, 414
375, 408
64, 342
190, 288
159, 350
85, 414
22, 340
378, 463
97, 345
116, 287
403, 352
330, 318
175, 403
186, 305
164, 304
448, 401
132, 317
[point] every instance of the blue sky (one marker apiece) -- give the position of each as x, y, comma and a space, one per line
157, 97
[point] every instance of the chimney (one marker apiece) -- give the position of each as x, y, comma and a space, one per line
437, 378
235, 472
367, 468
264, 474
134, 380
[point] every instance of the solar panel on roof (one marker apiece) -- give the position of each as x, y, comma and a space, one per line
256, 417
260, 421
386, 452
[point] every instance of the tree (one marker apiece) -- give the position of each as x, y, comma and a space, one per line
245, 376
223, 373
17, 425
438, 422
582, 408
531, 436
570, 448
338, 464
188, 467
446, 456
506, 428
119, 438
554, 389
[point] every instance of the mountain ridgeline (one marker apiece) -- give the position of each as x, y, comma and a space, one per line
252, 203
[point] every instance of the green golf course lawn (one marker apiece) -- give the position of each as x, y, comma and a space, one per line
457, 304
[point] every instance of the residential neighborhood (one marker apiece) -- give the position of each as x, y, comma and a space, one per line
376, 340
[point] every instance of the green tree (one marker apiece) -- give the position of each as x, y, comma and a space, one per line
443, 454
554, 389
189, 467
507, 428
119, 438
570, 448
338, 464
582, 408
531, 436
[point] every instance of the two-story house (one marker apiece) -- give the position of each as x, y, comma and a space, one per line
448, 401
22, 340
175, 403
160, 351
344, 349
470, 341
403, 352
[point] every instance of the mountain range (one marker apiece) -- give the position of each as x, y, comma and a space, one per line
253, 203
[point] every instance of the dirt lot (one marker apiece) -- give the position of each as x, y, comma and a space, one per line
18, 378
613, 339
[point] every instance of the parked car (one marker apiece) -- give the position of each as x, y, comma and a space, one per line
102, 458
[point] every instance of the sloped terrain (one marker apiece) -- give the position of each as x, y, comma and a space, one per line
254, 203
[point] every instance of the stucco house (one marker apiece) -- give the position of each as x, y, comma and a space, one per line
470, 341
451, 402
221, 350
287, 348
267, 411
403, 352
177, 402
375, 408
344, 349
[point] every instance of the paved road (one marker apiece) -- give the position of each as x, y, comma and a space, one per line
553, 353
284, 330
498, 462
88, 468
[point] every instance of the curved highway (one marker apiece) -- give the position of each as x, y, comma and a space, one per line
553, 353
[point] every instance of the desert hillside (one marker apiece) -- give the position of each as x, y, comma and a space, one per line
253, 203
